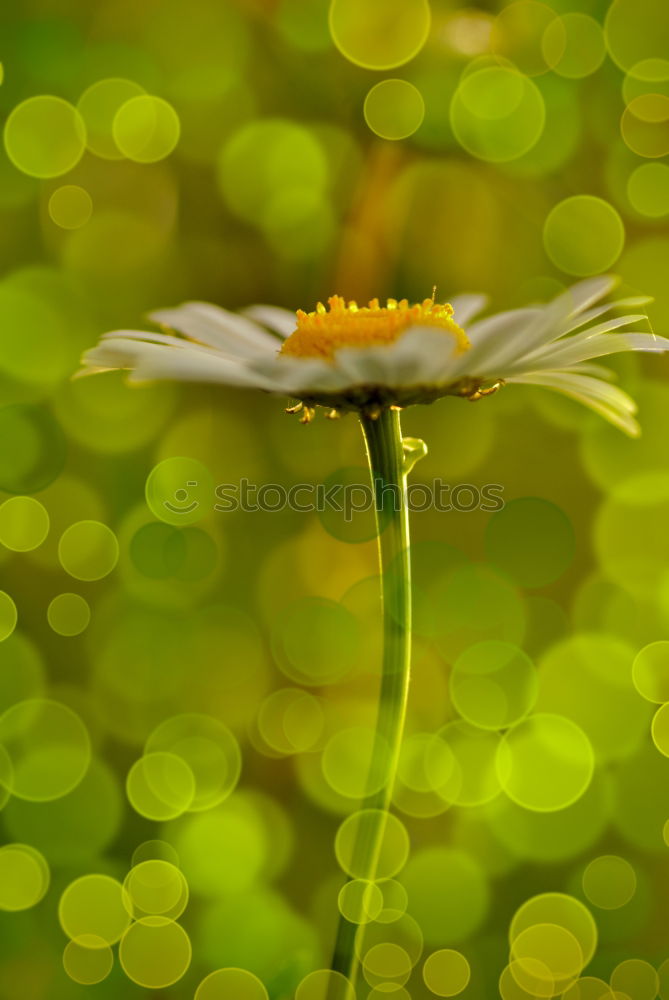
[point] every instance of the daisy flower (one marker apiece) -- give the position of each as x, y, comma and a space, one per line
376, 360
368, 358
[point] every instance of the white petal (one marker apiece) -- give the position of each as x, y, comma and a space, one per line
300, 376
424, 356
500, 324
421, 356
597, 371
585, 293
614, 323
170, 340
584, 347
499, 340
160, 361
557, 315
607, 400
594, 387
551, 320
281, 321
218, 328
586, 317
466, 306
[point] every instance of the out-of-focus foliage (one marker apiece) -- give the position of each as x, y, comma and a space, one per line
187, 693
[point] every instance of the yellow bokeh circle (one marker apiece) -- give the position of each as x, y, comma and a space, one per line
407, 940
291, 720
386, 962
644, 125
94, 904
155, 952
394, 109
395, 901
24, 523
209, 749
583, 235
508, 986
8, 615
24, 877
303, 721
497, 113
660, 729
45, 136
355, 762
381, 992
590, 988
360, 901
547, 958
636, 979
324, 984
379, 34
635, 31
146, 129
493, 684
545, 762
316, 641
517, 35
68, 614
648, 189
70, 206
160, 786
150, 850
156, 888
609, 882
88, 550
474, 779
650, 672
226, 984
98, 106
446, 972
372, 826
532, 978
650, 76
558, 909
428, 764
271, 166
88, 959
652, 108
573, 45
45, 748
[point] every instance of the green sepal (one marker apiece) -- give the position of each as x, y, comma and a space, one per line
413, 450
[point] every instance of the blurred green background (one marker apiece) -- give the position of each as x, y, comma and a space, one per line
187, 699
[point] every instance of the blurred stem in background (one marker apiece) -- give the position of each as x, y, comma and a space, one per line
390, 461
366, 256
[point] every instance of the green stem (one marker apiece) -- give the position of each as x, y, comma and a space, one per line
383, 438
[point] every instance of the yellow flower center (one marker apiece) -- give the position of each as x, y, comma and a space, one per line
319, 334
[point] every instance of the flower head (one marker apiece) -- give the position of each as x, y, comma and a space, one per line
368, 358
320, 334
